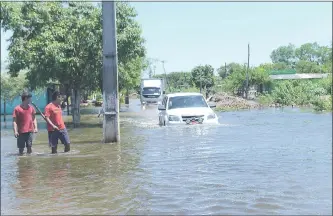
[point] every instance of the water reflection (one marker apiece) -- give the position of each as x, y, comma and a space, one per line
27, 174
251, 167
103, 177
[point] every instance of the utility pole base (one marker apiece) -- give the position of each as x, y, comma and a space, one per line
110, 131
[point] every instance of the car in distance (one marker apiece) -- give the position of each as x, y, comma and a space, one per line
186, 108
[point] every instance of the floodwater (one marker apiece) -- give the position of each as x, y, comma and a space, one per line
269, 161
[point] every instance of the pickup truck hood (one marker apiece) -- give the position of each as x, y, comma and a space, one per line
190, 111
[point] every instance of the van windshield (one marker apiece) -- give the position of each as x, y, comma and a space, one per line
151, 91
187, 102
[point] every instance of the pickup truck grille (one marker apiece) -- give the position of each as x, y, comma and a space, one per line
150, 96
195, 117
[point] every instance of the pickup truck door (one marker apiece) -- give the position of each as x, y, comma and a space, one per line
161, 114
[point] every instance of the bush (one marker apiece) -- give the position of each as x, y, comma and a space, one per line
266, 99
323, 104
298, 92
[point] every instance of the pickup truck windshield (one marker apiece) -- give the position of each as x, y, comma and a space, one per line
187, 102
151, 91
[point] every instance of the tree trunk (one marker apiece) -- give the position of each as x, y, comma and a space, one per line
127, 97
67, 101
206, 92
75, 101
4, 111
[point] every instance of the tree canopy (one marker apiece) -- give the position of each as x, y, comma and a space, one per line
63, 42
308, 58
203, 75
12, 87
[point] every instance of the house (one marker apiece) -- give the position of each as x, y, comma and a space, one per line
40, 98
298, 76
286, 75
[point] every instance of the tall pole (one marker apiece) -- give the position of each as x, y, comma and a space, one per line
200, 81
225, 69
154, 70
247, 71
165, 75
110, 74
150, 74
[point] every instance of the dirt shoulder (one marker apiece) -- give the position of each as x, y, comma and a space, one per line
225, 101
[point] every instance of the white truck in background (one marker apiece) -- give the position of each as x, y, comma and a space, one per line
152, 91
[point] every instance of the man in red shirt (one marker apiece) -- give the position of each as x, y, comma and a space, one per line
56, 126
24, 123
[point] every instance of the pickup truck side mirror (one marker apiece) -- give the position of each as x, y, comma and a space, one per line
161, 107
212, 104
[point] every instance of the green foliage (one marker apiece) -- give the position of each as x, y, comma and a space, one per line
266, 99
323, 104
308, 58
63, 42
99, 96
177, 80
300, 92
326, 84
259, 76
204, 76
130, 73
303, 66
236, 80
12, 87
292, 92
225, 71
284, 54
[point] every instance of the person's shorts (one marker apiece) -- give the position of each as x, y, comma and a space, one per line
24, 140
54, 137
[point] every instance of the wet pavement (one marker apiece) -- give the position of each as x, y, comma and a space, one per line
268, 161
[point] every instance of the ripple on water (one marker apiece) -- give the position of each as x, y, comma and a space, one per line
246, 165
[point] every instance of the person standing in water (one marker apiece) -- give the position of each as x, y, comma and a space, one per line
24, 123
56, 126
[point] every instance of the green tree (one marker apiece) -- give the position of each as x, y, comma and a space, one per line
226, 71
177, 80
11, 87
63, 42
303, 66
284, 54
313, 52
203, 77
260, 77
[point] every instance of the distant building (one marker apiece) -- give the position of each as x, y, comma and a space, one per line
40, 98
297, 76
286, 75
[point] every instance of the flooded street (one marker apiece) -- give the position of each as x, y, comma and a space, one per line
255, 162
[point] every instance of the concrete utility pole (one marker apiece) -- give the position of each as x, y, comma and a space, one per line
200, 81
110, 74
154, 70
225, 69
165, 75
247, 71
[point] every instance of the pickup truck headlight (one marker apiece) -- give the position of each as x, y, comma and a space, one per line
211, 116
173, 118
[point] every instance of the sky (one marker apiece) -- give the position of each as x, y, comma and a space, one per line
188, 34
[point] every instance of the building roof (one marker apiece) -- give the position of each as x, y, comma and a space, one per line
298, 76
